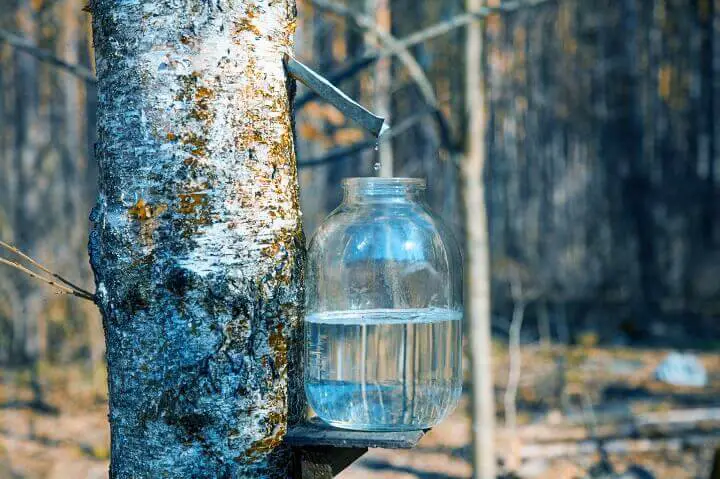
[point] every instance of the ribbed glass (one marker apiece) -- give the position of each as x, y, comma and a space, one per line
383, 310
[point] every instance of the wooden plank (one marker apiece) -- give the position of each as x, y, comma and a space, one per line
316, 433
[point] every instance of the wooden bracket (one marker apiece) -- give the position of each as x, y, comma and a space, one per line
715, 473
322, 462
322, 451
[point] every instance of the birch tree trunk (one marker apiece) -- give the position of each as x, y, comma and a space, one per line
478, 257
197, 243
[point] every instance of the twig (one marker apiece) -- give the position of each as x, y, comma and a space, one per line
413, 68
338, 154
42, 268
463, 19
520, 296
66, 288
61, 288
366, 23
416, 38
46, 56
515, 365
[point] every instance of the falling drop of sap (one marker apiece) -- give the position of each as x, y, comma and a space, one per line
383, 130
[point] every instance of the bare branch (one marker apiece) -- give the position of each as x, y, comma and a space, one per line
67, 288
42, 268
413, 68
461, 20
510, 399
366, 23
338, 154
46, 56
515, 366
62, 289
419, 37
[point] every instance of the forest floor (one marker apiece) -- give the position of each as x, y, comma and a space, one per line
568, 399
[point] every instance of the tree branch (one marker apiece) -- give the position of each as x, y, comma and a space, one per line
515, 354
433, 31
60, 288
408, 60
46, 56
66, 288
42, 268
338, 154
413, 68
463, 19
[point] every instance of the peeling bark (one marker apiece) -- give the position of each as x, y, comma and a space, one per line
197, 243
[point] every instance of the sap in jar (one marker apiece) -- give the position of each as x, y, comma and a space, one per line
383, 320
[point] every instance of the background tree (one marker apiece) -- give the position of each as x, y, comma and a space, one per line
603, 154
478, 312
46, 183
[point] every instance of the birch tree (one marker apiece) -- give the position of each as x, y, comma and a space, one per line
478, 255
196, 239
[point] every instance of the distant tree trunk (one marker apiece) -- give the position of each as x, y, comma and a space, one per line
383, 87
197, 243
31, 150
478, 257
615, 163
319, 193
44, 192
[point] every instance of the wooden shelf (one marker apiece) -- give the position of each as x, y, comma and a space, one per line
317, 433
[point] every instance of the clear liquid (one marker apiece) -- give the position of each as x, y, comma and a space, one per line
383, 369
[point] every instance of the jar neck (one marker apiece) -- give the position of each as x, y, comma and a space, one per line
369, 190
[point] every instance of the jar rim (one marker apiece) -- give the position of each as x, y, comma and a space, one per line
372, 182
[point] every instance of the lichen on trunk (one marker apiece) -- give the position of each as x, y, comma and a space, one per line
197, 243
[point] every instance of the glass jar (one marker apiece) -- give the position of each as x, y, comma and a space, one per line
383, 310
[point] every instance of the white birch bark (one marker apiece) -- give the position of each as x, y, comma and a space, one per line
196, 242
478, 256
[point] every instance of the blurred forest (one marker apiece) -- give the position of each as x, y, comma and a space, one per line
48, 182
602, 176
603, 186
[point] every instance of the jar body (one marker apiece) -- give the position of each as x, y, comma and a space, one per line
383, 321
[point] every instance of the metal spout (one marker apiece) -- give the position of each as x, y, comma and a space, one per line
350, 108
